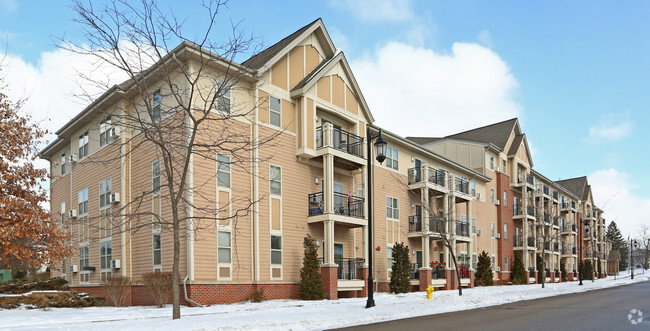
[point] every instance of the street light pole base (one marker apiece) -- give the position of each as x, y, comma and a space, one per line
370, 303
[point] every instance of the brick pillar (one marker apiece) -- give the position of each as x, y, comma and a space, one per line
425, 278
362, 273
471, 279
330, 282
552, 276
450, 275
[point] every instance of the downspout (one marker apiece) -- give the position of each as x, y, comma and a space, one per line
185, 290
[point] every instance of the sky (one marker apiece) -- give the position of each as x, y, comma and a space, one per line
576, 74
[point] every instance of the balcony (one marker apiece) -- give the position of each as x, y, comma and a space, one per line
568, 228
565, 206
556, 247
555, 195
343, 144
438, 273
462, 229
518, 241
346, 209
525, 179
531, 241
415, 223
348, 268
556, 222
437, 225
531, 272
434, 176
546, 190
461, 185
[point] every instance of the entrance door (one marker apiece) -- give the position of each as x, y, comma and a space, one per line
418, 173
338, 259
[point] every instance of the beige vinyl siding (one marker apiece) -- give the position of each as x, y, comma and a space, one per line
279, 73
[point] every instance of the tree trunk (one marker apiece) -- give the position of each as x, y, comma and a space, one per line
176, 311
453, 258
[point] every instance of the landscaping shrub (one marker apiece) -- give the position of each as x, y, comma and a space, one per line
49, 299
159, 286
519, 275
256, 296
484, 275
401, 269
117, 288
311, 280
18, 286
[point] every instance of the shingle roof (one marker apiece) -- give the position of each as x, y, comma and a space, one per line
258, 60
422, 140
574, 185
497, 133
312, 73
515, 144
614, 255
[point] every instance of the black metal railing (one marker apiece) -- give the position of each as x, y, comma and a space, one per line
556, 221
415, 271
531, 272
341, 140
344, 204
518, 241
436, 176
555, 195
531, 241
530, 210
415, 223
348, 267
564, 205
547, 219
461, 185
557, 273
548, 273
462, 229
437, 224
438, 273
574, 250
529, 179
556, 247
573, 204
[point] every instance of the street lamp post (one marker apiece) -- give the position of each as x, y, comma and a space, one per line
632, 243
581, 232
380, 152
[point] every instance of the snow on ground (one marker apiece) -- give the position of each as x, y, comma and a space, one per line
292, 314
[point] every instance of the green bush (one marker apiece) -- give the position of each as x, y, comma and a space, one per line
311, 280
484, 275
256, 296
519, 275
401, 270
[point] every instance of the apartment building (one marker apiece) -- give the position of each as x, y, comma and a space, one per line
458, 195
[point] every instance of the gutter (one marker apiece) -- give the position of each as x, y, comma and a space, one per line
186, 297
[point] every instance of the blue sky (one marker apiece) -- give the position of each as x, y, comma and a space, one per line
575, 73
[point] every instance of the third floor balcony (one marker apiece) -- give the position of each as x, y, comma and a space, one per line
330, 136
425, 175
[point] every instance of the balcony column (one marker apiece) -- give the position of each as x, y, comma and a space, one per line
328, 183
524, 223
328, 245
424, 200
470, 249
446, 226
365, 245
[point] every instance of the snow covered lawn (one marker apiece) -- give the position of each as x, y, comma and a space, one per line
291, 314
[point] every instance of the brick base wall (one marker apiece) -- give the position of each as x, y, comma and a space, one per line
362, 273
425, 279
383, 287
330, 282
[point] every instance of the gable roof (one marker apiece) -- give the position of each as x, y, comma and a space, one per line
321, 69
574, 185
496, 134
423, 140
270, 55
515, 144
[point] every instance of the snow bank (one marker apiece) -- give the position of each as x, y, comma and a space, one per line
293, 314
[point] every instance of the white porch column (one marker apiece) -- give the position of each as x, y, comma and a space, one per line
328, 255
328, 184
365, 245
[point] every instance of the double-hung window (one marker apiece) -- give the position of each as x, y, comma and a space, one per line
392, 207
223, 99
105, 193
83, 201
275, 112
492, 195
83, 145
392, 158
63, 213
389, 253
157, 250
276, 249
223, 170
276, 180
155, 177
224, 246
83, 257
105, 257
505, 198
155, 104
492, 162
62, 164
105, 132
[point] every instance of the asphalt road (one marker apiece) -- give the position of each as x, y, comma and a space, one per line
606, 309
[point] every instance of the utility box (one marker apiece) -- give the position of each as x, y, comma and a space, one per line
5, 275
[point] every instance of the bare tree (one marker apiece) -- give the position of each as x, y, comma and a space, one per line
644, 238
545, 219
180, 100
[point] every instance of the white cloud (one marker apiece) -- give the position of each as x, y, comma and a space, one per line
613, 192
415, 91
376, 11
610, 127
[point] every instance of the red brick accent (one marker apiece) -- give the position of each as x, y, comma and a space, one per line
425, 279
330, 282
362, 273
471, 279
383, 287
552, 277
450, 275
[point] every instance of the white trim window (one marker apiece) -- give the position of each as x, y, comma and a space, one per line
275, 111
473, 225
505, 198
223, 171
491, 162
84, 224
63, 213
492, 227
223, 100
505, 231
276, 249
389, 258
83, 145
105, 188
63, 164
392, 158
505, 264
105, 257
224, 247
493, 263
84, 261
392, 207
275, 179
155, 177
155, 106
157, 250
105, 132
492, 195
